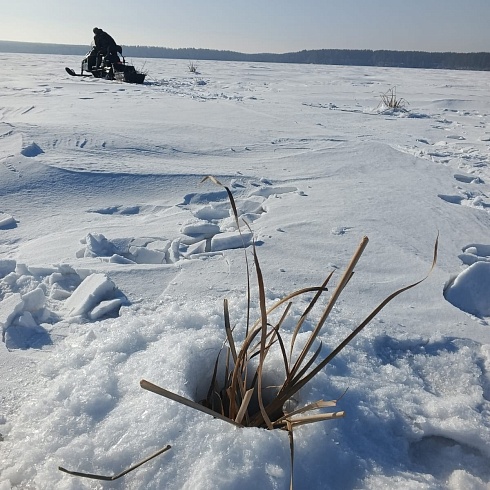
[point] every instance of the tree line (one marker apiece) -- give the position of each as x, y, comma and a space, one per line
357, 57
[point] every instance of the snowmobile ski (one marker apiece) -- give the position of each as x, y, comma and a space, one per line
73, 74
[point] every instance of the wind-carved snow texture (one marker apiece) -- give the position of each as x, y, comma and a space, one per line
33, 299
210, 229
468, 195
470, 289
455, 142
418, 377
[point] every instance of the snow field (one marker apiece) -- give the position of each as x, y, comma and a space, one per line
115, 260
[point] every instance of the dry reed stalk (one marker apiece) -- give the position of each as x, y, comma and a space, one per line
233, 402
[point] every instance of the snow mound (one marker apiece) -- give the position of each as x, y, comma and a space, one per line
475, 253
470, 290
32, 150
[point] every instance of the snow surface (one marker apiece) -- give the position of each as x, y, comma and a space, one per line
115, 260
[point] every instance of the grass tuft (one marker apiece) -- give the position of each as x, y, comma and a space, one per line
390, 101
233, 401
192, 67
242, 400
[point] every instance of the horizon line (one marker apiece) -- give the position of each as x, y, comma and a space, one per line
255, 53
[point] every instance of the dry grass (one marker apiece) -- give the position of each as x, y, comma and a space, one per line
389, 100
192, 67
241, 400
231, 401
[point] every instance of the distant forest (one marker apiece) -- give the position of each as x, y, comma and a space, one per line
357, 57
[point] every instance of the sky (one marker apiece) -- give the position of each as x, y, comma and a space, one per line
256, 25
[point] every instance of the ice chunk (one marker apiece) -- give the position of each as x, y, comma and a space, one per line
140, 242
10, 307
229, 240
6, 267
104, 307
191, 240
94, 289
142, 255
98, 245
196, 248
6, 221
200, 228
250, 206
205, 198
22, 270
58, 293
212, 211
26, 320
32, 150
173, 255
34, 300
11, 278
38, 270
121, 245
119, 259
160, 245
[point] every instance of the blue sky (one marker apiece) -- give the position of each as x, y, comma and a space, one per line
253, 26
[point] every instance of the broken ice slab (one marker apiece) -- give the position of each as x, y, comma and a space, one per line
142, 255
105, 307
10, 307
7, 266
93, 290
7, 221
200, 227
230, 240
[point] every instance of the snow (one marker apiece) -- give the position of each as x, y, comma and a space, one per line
92, 291
115, 259
470, 291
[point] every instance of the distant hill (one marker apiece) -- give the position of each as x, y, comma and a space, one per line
42, 48
358, 57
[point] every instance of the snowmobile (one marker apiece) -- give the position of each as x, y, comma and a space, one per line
107, 66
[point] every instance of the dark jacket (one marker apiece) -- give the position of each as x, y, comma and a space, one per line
105, 43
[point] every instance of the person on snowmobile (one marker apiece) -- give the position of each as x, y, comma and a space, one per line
106, 46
